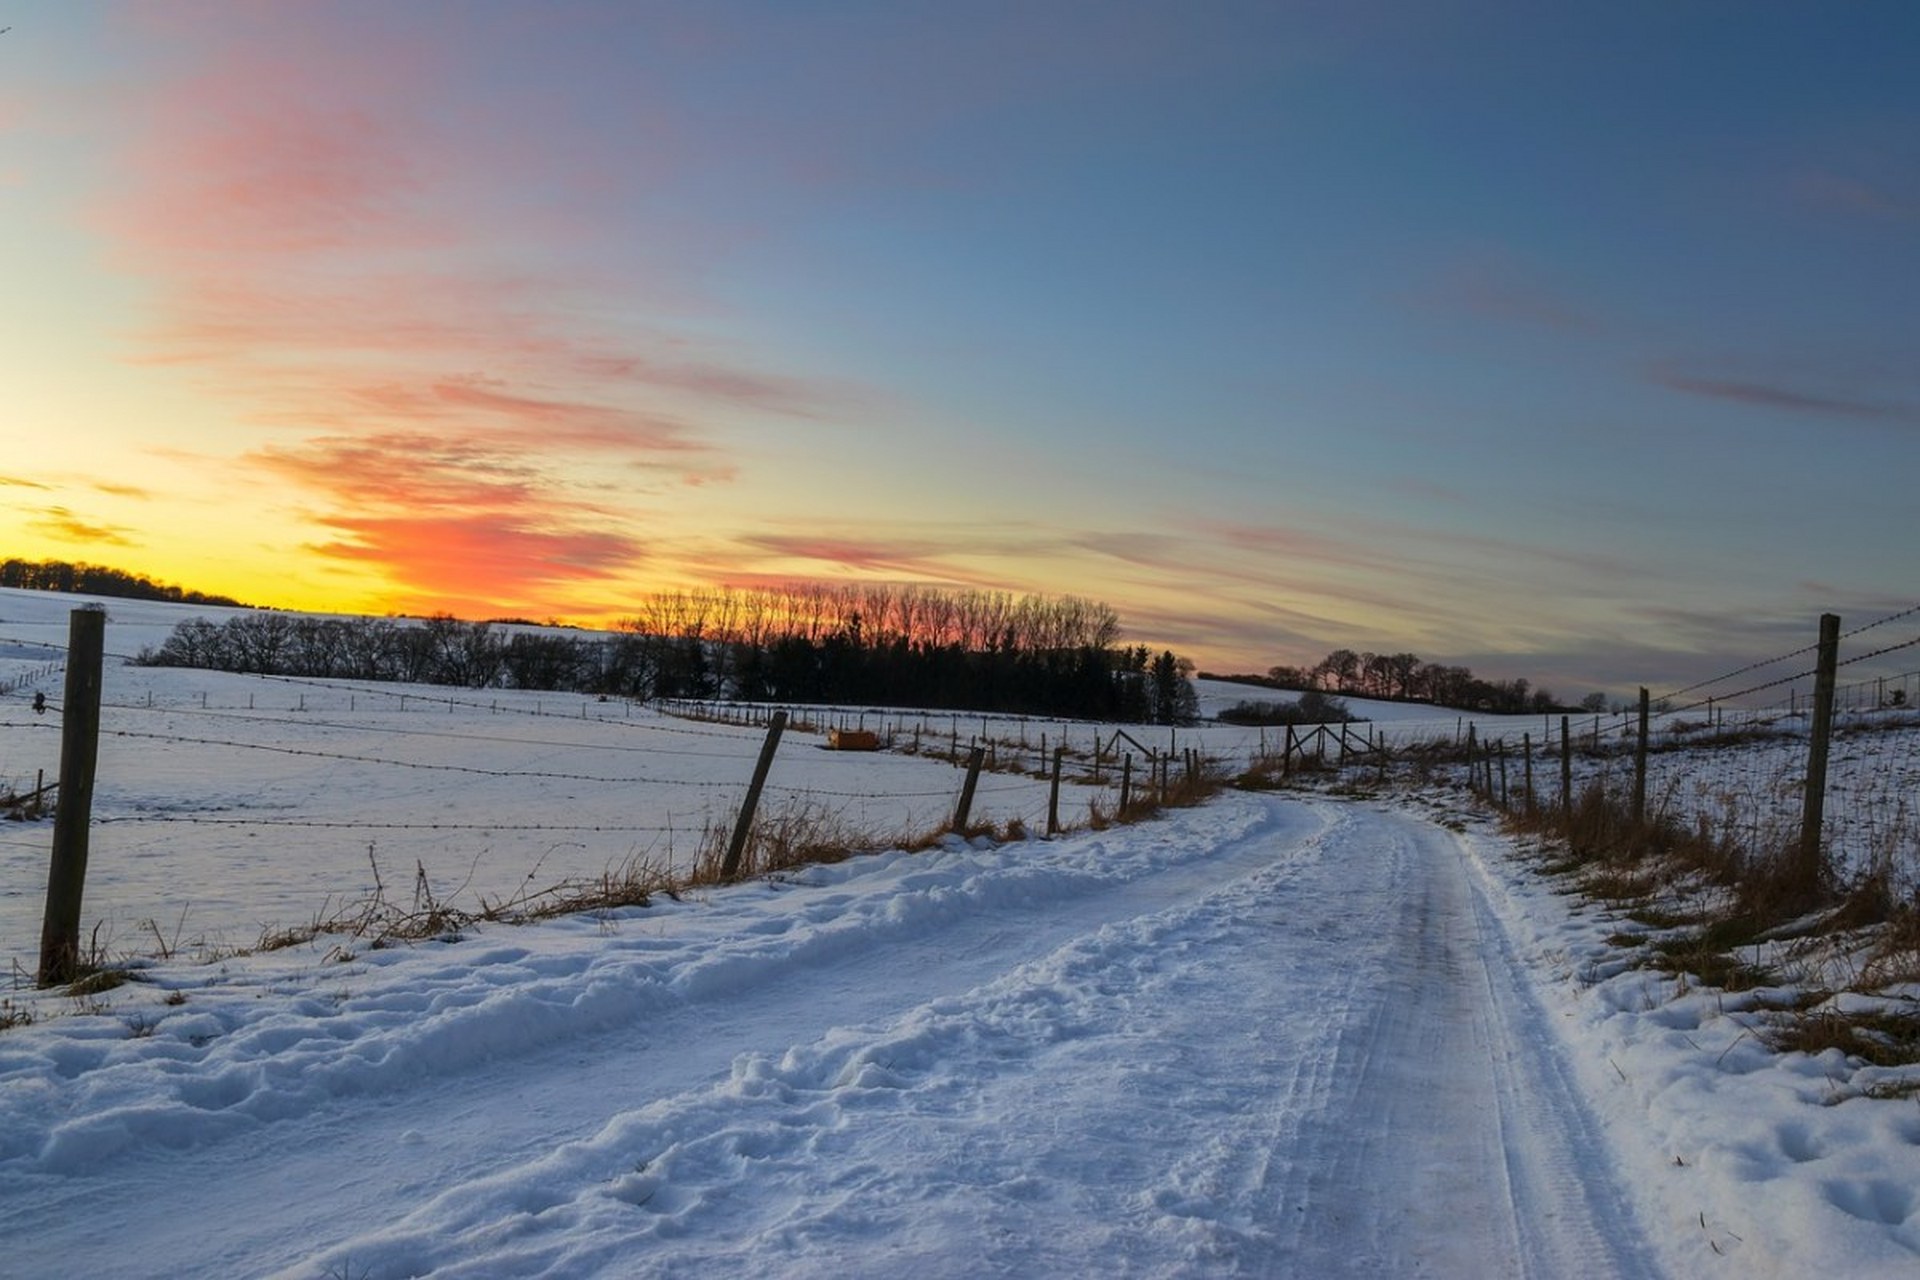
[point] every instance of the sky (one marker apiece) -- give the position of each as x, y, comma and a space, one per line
1571, 341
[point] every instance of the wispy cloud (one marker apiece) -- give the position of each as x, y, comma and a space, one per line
454, 524
1844, 193
1770, 395
62, 523
440, 362
1500, 286
940, 553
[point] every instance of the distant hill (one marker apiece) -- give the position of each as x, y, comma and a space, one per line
99, 580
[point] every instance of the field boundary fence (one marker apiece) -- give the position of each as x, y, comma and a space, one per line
1670, 755
246, 724
1823, 782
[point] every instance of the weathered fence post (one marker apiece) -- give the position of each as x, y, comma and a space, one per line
1053, 793
1807, 866
1640, 766
1473, 767
744, 823
1566, 776
79, 752
1526, 753
1503, 776
1126, 780
964, 809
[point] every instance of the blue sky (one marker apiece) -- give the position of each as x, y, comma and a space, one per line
1567, 341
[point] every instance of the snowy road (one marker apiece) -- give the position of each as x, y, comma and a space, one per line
1269, 1037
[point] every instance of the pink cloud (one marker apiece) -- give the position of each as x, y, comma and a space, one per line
406, 284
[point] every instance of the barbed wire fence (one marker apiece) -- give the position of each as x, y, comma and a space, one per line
1729, 751
687, 788
1747, 759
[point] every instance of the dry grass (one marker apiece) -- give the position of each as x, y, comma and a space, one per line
1893, 957
1883, 1038
1736, 901
799, 833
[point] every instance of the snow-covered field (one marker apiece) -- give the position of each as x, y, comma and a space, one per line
1273, 1036
227, 805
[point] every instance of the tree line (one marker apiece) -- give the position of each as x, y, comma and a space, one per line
98, 580
805, 643
1407, 677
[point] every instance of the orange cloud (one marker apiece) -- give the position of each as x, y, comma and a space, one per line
454, 524
389, 288
479, 563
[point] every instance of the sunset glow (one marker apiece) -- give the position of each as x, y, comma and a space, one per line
1574, 342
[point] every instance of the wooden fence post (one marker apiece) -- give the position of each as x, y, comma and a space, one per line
744, 823
964, 809
1126, 780
79, 752
1566, 776
1526, 751
1807, 867
1640, 766
1053, 794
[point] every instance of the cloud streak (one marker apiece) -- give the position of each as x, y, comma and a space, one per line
61, 523
1762, 395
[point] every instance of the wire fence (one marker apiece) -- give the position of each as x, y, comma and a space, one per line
279, 792
238, 803
1738, 768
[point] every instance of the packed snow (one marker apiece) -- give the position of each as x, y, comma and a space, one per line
1275, 1035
